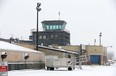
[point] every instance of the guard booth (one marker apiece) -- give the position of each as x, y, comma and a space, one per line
3, 68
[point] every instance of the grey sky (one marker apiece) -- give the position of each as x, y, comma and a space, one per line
85, 19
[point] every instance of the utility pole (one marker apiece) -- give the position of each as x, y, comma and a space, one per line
59, 15
100, 35
94, 41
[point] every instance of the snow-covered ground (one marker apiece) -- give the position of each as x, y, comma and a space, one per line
93, 70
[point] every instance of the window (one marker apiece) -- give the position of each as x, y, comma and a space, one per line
56, 26
52, 36
50, 27
40, 37
47, 27
44, 37
69, 56
56, 36
53, 27
60, 27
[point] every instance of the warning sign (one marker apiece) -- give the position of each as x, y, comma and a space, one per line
3, 69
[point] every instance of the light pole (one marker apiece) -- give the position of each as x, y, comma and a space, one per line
100, 35
94, 41
38, 9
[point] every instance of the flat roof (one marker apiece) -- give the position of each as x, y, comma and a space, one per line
58, 50
52, 22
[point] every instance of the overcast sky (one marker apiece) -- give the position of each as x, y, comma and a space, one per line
85, 19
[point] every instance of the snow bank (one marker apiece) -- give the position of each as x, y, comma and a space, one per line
87, 71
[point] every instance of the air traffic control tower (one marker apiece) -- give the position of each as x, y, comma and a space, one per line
53, 33
54, 25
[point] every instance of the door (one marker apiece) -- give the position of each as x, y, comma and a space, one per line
95, 59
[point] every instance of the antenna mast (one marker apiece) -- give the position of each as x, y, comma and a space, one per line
59, 15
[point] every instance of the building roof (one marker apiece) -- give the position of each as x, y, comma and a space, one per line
10, 46
58, 50
52, 22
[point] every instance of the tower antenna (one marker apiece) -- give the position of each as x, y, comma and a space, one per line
59, 15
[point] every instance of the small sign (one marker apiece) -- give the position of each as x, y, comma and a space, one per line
3, 69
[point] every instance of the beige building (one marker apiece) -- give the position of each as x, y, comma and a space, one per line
95, 54
19, 57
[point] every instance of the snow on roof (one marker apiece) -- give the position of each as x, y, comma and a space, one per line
9, 46
60, 50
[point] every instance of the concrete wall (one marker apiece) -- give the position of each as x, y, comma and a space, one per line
15, 66
18, 56
16, 59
